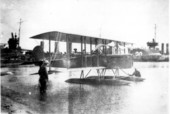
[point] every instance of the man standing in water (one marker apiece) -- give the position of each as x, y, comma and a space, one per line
43, 76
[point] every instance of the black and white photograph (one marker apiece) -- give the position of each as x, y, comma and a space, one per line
84, 56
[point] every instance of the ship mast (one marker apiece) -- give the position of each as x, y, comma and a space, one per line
19, 32
153, 44
155, 32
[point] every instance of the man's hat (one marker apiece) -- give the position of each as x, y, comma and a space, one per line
45, 62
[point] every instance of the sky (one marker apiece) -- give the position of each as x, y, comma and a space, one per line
123, 20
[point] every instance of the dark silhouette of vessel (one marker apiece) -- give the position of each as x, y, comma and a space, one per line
152, 54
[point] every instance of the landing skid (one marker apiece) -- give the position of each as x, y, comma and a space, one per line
101, 79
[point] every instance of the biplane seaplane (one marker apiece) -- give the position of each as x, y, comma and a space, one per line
103, 56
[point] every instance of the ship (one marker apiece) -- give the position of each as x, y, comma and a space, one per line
152, 54
11, 53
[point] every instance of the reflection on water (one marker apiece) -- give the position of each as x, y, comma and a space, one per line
43, 97
148, 97
97, 100
43, 104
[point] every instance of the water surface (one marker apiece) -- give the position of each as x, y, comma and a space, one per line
147, 97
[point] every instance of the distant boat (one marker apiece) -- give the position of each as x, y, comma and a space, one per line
12, 54
151, 55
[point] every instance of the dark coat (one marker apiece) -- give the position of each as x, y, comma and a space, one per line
43, 73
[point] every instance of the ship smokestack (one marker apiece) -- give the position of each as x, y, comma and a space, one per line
162, 48
12, 35
167, 48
